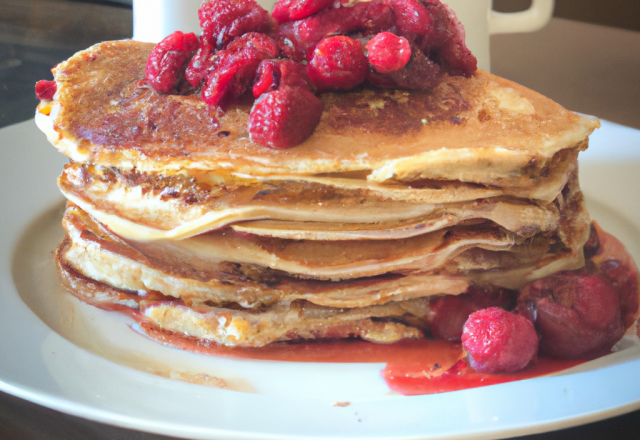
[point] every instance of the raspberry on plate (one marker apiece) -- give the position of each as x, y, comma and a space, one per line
624, 280
498, 341
448, 313
576, 314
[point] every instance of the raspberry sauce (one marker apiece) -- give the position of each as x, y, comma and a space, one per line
414, 367
407, 379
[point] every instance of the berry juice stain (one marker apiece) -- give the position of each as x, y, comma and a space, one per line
411, 380
413, 367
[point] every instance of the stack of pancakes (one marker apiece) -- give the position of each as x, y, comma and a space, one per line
397, 198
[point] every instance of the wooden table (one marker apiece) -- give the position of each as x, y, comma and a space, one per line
587, 68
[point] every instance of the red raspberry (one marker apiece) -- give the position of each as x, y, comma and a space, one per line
498, 341
457, 59
576, 314
298, 38
237, 68
412, 18
222, 21
442, 29
419, 74
275, 73
446, 41
286, 10
284, 118
448, 314
167, 58
338, 63
202, 64
625, 283
388, 52
377, 17
46, 89
255, 41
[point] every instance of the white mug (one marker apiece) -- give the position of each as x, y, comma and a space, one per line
155, 19
480, 21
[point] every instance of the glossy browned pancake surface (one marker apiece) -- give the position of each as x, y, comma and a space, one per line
482, 129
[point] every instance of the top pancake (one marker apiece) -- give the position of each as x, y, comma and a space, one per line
482, 129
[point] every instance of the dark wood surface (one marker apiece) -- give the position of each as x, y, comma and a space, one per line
588, 68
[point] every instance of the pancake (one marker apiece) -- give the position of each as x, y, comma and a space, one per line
150, 207
504, 133
255, 328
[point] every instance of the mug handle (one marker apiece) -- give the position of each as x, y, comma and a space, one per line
533, 19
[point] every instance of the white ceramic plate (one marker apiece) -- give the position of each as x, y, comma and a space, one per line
61, 353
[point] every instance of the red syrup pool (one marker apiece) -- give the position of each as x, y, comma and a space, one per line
411, 380
413, 367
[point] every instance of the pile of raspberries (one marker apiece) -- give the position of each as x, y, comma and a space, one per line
307, 47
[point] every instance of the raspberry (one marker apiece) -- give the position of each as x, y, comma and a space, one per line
457, 59
275, 73
338, 63
442, 26
202, 64
286, 10
625, 283
387, 52
167, 58
222, 21
445, 42
576, 314
377, 17
284, 118
419, 74
255, 41
237, 68
298, 38
46, 89
498, 341
448, 314
412, 18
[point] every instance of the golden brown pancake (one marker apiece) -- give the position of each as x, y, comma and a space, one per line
143, 207
483, 129
255, 328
